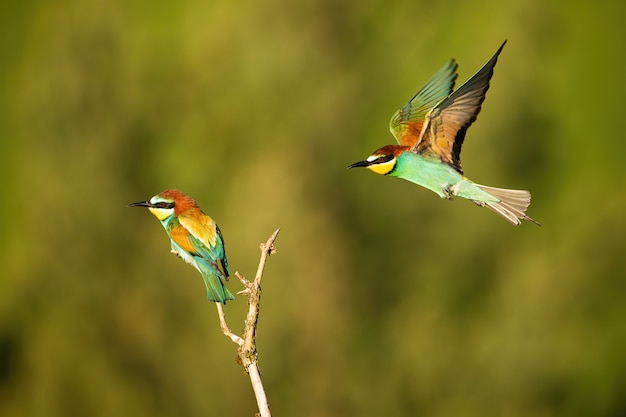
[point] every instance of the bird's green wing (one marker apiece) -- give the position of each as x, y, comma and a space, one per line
406, 124
446, 125
223, 259
203, 237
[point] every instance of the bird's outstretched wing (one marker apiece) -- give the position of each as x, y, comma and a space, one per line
447, 123
406, 124
200, 235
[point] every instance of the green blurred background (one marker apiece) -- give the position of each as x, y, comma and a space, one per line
383, 300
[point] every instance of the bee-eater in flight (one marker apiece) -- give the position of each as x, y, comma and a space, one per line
430, 130
194, 237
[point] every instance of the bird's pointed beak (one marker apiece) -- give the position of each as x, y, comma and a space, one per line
360, 164
141, 204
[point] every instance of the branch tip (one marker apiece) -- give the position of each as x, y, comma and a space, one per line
244, 281
269, 245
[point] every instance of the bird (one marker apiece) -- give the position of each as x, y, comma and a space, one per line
194, 237
430, 130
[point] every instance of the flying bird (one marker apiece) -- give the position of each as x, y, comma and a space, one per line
430, 130
194, 237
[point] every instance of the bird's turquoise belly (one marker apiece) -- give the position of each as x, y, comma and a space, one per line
431, 174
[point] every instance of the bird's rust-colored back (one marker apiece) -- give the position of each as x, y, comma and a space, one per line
409, 133
182, 237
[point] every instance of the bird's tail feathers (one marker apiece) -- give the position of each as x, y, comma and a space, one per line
512, 205
215, 289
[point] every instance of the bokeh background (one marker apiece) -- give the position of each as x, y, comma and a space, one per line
383, 300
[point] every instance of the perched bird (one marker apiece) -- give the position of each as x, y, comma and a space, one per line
430, 130
195, 237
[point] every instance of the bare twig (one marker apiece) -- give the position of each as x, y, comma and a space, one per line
246, 354
225, 329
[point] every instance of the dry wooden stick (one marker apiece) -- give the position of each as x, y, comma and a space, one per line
247, 354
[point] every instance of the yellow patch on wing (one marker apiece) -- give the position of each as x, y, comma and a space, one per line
201, 226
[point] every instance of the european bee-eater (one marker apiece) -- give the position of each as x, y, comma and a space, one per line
194, 237
430, 130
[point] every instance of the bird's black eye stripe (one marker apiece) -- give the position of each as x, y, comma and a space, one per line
384, 158
164, 205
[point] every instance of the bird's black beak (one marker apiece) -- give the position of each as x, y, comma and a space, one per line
360, 164
141, 204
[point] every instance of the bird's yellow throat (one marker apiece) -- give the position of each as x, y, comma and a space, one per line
161, 213
384, 168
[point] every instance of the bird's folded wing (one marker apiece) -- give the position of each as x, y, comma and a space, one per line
205, 237
200, 226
